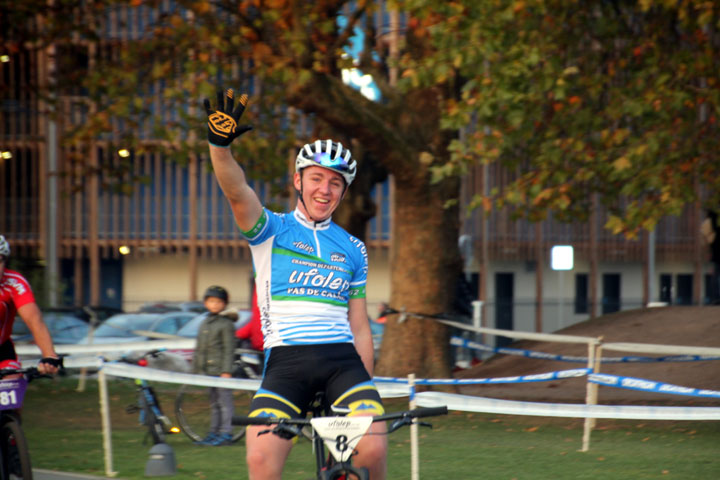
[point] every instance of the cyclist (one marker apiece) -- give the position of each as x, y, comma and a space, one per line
310, 282
16, 297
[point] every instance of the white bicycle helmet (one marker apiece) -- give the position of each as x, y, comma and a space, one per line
330, 155
4, 247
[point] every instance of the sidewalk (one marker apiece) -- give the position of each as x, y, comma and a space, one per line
40, 474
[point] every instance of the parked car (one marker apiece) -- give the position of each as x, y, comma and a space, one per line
137, 327
163, 307
100, 312
190, 329
64, 328
86, 313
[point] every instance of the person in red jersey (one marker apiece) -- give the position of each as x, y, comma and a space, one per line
16, 298
250, 334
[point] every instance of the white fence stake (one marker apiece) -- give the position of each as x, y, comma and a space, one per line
105, 414
414, 451
591, 396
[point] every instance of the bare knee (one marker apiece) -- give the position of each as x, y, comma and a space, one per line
261, 466
372, 454
266, 456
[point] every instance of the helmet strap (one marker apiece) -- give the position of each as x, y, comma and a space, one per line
300, 192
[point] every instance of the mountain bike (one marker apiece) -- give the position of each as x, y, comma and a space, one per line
191, 408
148, 406
14, 457
334, 437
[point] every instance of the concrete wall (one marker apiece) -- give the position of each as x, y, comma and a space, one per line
166, 278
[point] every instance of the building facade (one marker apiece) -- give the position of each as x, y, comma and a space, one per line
152, 229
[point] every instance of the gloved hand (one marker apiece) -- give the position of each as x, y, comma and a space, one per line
222, 123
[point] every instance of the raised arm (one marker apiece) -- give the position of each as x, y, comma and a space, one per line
222, 130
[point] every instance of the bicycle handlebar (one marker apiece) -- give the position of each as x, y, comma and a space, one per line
406, 414
29, 372
416, 413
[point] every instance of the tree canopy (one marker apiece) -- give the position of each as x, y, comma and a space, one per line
612, 98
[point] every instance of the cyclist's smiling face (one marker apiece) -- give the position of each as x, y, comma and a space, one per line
322, 190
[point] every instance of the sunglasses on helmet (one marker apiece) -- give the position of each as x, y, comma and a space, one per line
324, 159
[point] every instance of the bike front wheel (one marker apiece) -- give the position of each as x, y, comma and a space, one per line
193, 414
15, 454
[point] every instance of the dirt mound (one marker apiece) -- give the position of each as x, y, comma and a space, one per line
687, 326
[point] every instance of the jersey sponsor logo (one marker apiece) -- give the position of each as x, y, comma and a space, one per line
19, 287
363, 250
304, 246
314, 278
359, 244
337, 257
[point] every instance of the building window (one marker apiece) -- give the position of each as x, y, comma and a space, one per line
581, 293
684, 289
666, 288
709, 297
611, 293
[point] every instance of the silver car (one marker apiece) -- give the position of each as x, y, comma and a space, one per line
138, 327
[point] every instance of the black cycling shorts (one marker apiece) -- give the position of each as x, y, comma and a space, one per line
8, 357
295, 374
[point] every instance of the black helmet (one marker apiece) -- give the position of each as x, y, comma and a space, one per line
217, 292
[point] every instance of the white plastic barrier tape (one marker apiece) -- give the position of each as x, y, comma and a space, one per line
542, 337
82, 361
153, 374
102, 348
644, 385
509, 407
145, 373
660, 349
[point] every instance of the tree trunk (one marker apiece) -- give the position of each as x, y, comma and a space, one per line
426, 256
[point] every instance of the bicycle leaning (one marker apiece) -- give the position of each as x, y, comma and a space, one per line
334, 437
15, 456
147, 406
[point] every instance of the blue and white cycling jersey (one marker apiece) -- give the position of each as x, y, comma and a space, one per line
305, 274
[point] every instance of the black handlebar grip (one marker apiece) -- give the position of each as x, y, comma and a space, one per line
428, 412
240, 420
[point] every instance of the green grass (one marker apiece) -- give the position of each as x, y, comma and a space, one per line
63, 428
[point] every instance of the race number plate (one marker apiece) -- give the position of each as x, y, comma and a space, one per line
12, 393
341, 434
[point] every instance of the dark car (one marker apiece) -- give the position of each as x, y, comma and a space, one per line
64, 328
164, 307
99, 313
137, 327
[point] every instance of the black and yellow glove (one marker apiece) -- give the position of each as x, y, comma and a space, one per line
223, 125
